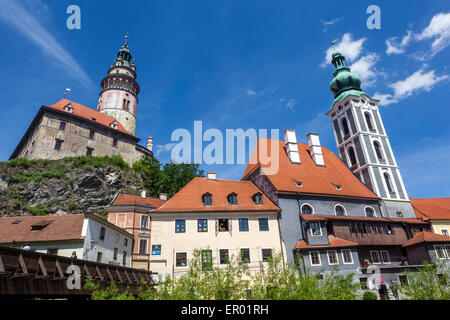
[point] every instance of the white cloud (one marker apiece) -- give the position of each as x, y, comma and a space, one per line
14, 15
418, 81
326, 24
364, 68
439, 30
164, 148
250, 92
395, 47
291, 104
350, 48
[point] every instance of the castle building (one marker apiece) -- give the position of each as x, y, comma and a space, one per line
69, 129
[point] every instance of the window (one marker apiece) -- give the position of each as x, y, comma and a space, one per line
266, 255
440, 252
125, 242
117, 237
387, 179
232, 199
116, 251
114, 142
207, 260
243, 224
314, 257
223, 256
369, 121
58, 144
263, 224
339, 210
332, 257
180, 226
257, 198
352, 156
307, 209
223, 225
377, 147
156, 250
202, 225
245, 255
99, 257
181, 259
399, 214
315, 229
375, 257
144, 222
207, 199
91, 134
102, 233
389, 229
385, 257
403, 280
142, 246
124, 258
347, 256
62, 126
370, 212
345, 127
353, 228
444, 232
89, 151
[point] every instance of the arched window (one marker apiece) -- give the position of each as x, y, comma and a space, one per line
387, 179
339, 210
257, 198
370, 212
232, 198
369, 121
345, 127
352, 156
307, 209
377, 147
207, 199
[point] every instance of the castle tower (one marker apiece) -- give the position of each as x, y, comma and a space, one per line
119, 95
362, 140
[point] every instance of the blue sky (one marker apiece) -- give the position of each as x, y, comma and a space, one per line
239, 64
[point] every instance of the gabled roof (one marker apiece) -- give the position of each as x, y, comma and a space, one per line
189, 198
88, 114
54, 228
334, 242
431, 208
126, 199
426, 236
314, 179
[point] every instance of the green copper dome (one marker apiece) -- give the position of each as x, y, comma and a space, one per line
344, 79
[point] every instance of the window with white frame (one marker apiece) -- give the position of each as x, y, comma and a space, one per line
339, 210
440, 252
224, 256
332, 257
315, 229
314, 257
347, 256
144, 222
370, 212
444, 232
307, 209
181, 259
385, 257
375, 255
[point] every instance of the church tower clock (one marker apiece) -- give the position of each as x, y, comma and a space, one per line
119, 95
362, 140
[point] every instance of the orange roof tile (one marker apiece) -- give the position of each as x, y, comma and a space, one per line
432, 208
65, 227
334, 242
134, 199
426, 236
89, 114
189, 198
315, 179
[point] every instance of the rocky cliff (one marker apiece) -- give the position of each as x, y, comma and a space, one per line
70, 185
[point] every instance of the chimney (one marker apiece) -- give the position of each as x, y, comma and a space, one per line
315, 149
150, 143
211, 176
143, 194
291, 145
163, 196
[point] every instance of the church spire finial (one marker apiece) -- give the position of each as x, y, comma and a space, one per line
125, 45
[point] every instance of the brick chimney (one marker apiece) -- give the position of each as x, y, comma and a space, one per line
211, 176
163, 196
291, 145
315, 149
143, 194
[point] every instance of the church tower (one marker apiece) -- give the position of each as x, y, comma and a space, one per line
119, 95
362, 140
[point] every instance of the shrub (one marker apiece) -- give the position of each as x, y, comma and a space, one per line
369, 295
39, 210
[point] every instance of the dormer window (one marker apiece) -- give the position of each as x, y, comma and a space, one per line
68, 108
232, 198
40, 225
339, 210
207, 199
298, 183
338, 187
114, 125
257, 198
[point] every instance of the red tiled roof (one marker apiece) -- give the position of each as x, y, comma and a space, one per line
65, 227
315, 179
88, 114
432, 208
134, 199
189, 198
426, 236
333, 241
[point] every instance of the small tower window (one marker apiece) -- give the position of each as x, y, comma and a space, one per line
62, 126
232, 198
387, 179
89, 151
58, 144
377, 147
114, 142
345, 127
91, 134
352, 156
369, 121
207, 199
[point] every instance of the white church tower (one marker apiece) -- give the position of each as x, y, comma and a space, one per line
362, 140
